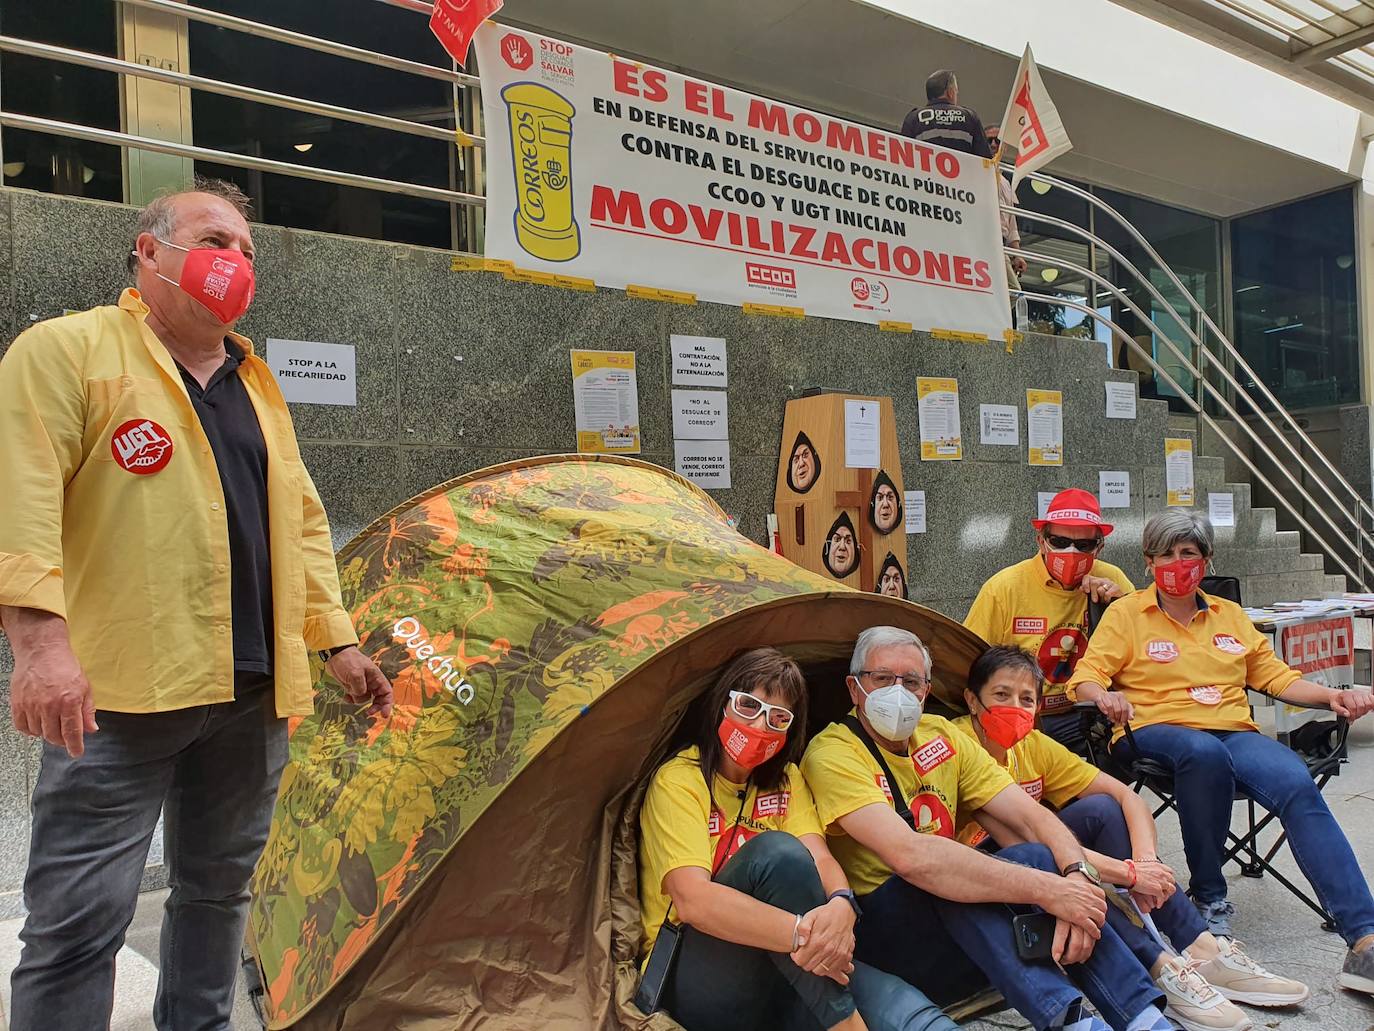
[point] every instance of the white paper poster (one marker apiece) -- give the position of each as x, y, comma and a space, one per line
862, 446
999, 424
705, 462
915, 511
1221, 509
699, 361
1045, 426
1042, 502
606, 402
609, 169
1120, 400
937, 408
1114, 489
1178, 470
700, 415
313, 373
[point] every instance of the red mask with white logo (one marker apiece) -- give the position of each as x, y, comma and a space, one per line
1180, 578
1068, 568
218, 278
748, 745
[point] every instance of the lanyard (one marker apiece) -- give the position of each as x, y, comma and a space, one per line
739, 816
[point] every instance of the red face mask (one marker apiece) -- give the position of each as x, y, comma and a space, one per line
1006, 725
1068, 568
218, 278
748, 745
1180, 578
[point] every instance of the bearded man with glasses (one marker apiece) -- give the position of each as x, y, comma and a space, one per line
1041, 603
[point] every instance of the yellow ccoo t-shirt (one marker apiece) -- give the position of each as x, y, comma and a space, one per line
681, 825
1022, 606
945, 779
1045, 769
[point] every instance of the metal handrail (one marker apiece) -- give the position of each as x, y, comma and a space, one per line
186, 150
15, 45
1112, 288
1163, 374
300, 39
1229, 348
1236, 385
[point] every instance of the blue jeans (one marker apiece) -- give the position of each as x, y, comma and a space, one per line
1098, 824
1208, 766
717, 985
213, 770
950, 950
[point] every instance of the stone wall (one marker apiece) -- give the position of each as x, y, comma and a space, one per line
457, 371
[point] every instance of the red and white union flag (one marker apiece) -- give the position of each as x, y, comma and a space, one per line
1032, 122
455, 21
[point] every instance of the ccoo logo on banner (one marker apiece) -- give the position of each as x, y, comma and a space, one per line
1323, 651
624, 173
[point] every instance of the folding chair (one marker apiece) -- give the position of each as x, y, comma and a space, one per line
1322, 746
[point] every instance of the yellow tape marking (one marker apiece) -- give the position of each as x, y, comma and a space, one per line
653, 293
894, 327
778, 310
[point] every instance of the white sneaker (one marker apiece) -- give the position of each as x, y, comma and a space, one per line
1193, 1003
1239, 978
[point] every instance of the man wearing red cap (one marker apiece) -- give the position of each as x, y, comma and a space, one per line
1041, 604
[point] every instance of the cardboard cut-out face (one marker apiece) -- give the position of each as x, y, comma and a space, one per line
891, 579
885, 505
804, 465
841, 552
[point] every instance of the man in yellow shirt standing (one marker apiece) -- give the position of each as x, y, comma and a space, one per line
1041, 604
164, 566
891, 786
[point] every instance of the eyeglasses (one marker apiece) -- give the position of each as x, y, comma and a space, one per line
886, 678
1065, 543
747, 707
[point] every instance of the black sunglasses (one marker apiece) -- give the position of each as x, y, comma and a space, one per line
1065, 543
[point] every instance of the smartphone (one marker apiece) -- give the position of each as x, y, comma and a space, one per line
1034, 933
649, 996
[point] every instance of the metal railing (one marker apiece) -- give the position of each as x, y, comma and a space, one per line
1337, 504
471, 200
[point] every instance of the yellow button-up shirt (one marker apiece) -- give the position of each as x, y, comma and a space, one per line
1192, 676
138, 562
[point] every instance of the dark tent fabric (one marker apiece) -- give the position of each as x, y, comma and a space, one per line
469, 862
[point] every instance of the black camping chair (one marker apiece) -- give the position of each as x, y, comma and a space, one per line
1321, 745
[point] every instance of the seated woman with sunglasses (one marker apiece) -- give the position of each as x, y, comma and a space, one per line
735, 875
1041, 604
1117, 832
1178, 663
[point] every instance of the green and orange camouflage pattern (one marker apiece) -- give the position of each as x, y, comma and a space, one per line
501, 605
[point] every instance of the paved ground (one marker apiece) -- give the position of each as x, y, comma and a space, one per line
1277, 929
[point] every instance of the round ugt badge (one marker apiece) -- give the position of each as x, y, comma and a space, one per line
141, 446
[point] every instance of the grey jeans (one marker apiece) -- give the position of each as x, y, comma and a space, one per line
213, 770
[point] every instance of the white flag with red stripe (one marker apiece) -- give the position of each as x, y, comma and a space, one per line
1032, 122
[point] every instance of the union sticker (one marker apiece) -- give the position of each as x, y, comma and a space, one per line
881, 780
932, 754
1206, 695
1162, 651
1029, 625
774, 803
1227, 643
141, 446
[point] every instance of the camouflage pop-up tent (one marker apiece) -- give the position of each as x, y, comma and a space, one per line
470, 862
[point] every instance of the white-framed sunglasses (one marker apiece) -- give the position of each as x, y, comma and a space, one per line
748, 707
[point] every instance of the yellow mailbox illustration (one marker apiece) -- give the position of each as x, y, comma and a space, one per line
541, 134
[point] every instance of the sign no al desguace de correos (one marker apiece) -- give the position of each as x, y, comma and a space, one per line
622, 173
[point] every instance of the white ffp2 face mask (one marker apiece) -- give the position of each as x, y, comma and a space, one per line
892, 711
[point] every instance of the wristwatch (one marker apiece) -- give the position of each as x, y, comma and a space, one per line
850, 897
329, 653
1086, 869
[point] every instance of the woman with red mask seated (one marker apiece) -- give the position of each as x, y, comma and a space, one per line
1178, 662
1117, 832
733, 865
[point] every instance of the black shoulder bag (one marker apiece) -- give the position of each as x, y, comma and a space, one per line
663, 956
898, 802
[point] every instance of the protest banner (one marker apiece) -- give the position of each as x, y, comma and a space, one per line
622, 173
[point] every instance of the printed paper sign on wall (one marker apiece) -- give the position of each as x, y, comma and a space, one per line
937, 408
620, 172
606, 402
1178, 470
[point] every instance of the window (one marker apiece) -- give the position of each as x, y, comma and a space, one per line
1057, 247
1294, 280
63, 92
226, 123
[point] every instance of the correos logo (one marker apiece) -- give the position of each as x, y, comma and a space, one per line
410, 633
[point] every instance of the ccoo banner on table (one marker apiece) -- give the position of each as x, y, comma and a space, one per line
623, 173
